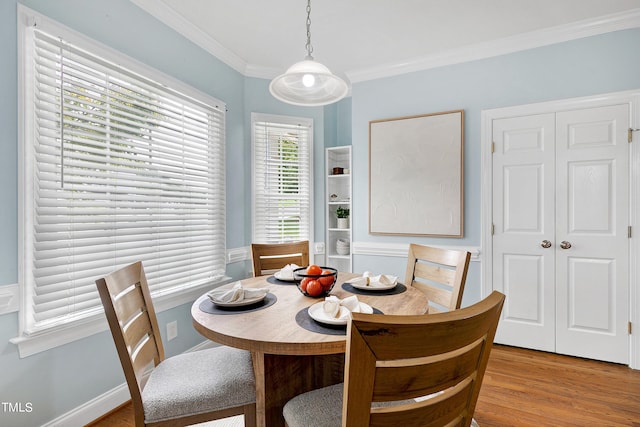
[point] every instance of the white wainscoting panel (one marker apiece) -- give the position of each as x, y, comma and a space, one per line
9, 298
401, 249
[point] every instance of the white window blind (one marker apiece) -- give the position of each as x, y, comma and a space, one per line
282, 171
118, 168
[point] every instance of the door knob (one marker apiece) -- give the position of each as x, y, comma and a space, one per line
545, 244
565, 245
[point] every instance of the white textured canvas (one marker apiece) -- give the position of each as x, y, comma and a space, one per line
416, 175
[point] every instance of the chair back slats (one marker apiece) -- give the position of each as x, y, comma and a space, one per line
272, 264
134, 327
445, 409
434, 273
392, 341
122, 279
129, 303
439, 360
449, 410
270, 257
439, 273
450, 257
437, 296
144, 355
407, 381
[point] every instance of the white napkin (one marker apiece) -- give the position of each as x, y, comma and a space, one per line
337, 308
236, 293
367, 279
383, 280
287, 272
360, 281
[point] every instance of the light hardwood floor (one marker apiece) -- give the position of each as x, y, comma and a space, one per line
531, 388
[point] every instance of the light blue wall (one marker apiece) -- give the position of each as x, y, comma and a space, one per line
344, 125
61, 379
8, 145
66, 377
259, 100
600, 64
329, 130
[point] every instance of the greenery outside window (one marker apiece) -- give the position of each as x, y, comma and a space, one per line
119, 163
282, 174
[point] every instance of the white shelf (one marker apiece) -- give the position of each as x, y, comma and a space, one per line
346, 257
340, 185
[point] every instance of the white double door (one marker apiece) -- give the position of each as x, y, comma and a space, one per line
560, 243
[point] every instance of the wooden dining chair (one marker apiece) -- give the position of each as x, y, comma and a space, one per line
270, 257
439, 273
406, 371
189, 388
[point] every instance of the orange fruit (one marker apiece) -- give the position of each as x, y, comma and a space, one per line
304, 283
327, 280
314, 288
314, 270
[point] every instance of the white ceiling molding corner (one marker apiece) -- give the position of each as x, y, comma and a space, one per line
519, 42
524, 41
261, 72
171, 18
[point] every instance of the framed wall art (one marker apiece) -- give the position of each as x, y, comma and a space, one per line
416, 175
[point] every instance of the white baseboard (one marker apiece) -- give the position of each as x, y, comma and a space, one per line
93, 409
106, 402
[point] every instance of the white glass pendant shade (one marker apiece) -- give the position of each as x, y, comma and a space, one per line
308, 83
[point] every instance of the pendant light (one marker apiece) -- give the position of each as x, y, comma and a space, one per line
308, 83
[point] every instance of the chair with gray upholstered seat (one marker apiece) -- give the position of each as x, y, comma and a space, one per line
181, 390
406, 371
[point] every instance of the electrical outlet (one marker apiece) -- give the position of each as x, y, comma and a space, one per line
172, 330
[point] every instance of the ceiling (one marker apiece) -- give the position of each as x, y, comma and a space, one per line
364, 39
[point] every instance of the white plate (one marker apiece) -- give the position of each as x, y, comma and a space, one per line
376, 287
247, 301
284, 279
318, 314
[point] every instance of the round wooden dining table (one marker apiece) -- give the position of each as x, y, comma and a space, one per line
290, 354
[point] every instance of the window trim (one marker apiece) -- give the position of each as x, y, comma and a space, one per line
63, 334
29, 345
291, 120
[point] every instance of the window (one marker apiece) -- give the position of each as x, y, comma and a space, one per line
282, 174
116, 167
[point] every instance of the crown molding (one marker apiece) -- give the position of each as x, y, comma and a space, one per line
168, 16
533, 39
262, 72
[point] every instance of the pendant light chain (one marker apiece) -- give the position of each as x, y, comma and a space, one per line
308, 45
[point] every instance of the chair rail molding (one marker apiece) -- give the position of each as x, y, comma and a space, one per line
402, 249
9, 297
